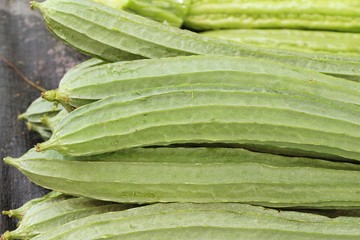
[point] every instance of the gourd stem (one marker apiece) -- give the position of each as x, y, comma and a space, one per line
40, 147
22, 116
49, 95
10, 161
57, 96
33, 5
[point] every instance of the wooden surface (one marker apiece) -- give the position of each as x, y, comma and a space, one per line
25, 41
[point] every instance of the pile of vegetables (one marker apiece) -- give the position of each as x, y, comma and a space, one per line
172, 134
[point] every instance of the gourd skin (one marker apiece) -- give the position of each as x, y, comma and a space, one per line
53, 214
113, 35
168, 74
279, 122
301, 14
201, 175
20, 212
207, 221
293, 39
38, 108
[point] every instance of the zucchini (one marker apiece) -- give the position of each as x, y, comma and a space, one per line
207, 221
47, 217
98, 82
322, 14
292, 39
197, 175
107, 33
258, 119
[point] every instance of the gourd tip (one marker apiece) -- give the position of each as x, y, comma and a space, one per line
9, 160
21, 116
7, 213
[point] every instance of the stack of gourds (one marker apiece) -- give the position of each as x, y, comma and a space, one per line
199, 125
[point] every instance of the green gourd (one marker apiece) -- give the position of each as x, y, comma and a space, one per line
207, 221
168, 12
201, 175
293, 39
37, 109
97, 82
259, 119
113, 35
21, 211
56, 213
321, 14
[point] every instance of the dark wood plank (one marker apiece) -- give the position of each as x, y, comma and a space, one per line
25, 41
